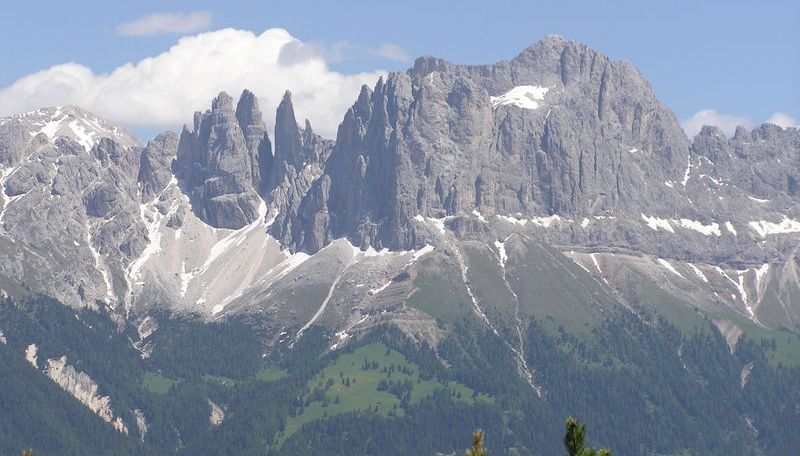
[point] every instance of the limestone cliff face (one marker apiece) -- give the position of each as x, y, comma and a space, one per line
221, 167
560, 129
560, 144
155, 170
300, 157
256, 138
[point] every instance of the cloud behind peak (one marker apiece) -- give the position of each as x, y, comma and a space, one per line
164, 90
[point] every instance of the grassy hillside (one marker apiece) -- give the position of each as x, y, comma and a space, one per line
372, 378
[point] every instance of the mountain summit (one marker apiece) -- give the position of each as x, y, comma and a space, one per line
544, 216
560, 145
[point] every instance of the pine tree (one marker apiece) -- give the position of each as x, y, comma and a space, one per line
477, 444
574, 441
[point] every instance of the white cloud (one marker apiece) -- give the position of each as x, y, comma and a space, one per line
391, 51
340, 52
783, 120
725, 122
163, 91
160, 23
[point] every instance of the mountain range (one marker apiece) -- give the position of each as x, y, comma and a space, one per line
551, 191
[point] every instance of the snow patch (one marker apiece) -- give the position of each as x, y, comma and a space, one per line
84, 137
739, 285
421, 252
513, 220
698, 272
654, 223
688, 171
186, 278
501, 251
3, 338
371, 252
787, 225
596, 263
730, 228
151, 220
477, 213
100, 265
758, 200
375, 291
341, 335
544, 222
585, 222
525, 97
708, 230
670, 268
436, 222
575, 260
719, 184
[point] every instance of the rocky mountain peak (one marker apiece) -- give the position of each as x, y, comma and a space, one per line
560, 144
217, 164
55, 122
553, 132
222, 103
258, 143
155, 164
288, 143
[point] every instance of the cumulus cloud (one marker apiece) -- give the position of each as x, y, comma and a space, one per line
163, 91
725, 122
341, 51
390, 51
161, 23
783, 120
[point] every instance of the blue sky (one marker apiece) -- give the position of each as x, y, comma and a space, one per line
740, 59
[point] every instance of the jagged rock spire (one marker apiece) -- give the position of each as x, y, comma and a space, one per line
217, 164
256, 138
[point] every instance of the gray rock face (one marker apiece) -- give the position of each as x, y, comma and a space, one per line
155, 169
435, 142
560, 146
216, 163
764, 162
69, 223
257, 139
295, 187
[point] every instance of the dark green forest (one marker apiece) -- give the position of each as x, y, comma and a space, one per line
626, 381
